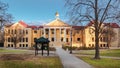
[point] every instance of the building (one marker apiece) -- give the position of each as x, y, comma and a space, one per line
58, 32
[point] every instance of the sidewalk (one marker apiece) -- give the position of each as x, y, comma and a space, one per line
69, 60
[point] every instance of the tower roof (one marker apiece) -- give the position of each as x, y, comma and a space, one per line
57, 22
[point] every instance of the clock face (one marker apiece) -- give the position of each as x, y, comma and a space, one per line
39, 46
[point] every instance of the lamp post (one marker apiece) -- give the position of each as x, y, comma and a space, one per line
71, 40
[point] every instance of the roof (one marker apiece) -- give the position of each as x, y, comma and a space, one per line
40, 26
42, 40
58, 23
113, 25
78, 27
32, 26
23, 23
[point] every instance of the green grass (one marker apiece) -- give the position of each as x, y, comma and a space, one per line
105, 52
102, 63
11, 51
42, 62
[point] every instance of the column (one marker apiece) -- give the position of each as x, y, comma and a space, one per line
60, 34
44, 33
49, 34
65, 35
54, 34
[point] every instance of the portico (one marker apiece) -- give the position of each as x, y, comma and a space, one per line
57, 35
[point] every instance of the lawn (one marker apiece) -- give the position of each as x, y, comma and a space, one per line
30, 62
103, 52
22, 59
11, 51
102, 63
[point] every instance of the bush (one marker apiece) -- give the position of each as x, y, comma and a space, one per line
77, 48
52, 49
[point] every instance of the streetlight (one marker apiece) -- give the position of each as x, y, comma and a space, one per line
71, 40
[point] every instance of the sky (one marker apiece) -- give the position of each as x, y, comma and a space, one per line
36, 11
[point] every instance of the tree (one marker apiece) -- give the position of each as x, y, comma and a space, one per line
4, 18
16, 35
110, 33
98, 11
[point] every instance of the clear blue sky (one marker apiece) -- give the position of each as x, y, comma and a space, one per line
36, 10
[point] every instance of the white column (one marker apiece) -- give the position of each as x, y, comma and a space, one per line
60, 34
54, 34
65, 35
44, 33
49, 34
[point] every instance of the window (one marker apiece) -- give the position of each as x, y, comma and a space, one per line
100, 45
67, 32
92, 39
62, 39
89, 45
8, 39
9, 31
104, 45
78, 39
66, 39
26, 45
19, 45
35, 31
53, 39
23, 39
101, 39
26, 31
8, 45
12, 32
35, 39
23, 45
15, 31
11, 45
47, 31
92, 45
20, 39
26, 39
52, 31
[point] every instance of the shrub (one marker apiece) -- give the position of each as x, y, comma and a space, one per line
77, 48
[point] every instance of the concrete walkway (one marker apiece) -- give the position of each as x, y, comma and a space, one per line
69, 60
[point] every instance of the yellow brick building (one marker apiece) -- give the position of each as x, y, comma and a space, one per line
58, 32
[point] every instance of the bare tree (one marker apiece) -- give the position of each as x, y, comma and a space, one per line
98, 11
110, 34
4, 18
16, 35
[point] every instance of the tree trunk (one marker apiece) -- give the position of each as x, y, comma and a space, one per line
96, 24
97, 55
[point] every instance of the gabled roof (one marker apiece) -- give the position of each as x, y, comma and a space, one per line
57, 23
23, 23
113, 25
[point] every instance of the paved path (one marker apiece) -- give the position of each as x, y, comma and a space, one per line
70, 61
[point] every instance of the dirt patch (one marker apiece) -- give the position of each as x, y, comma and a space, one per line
16, 57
